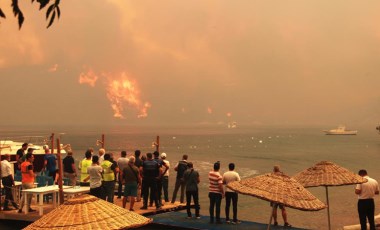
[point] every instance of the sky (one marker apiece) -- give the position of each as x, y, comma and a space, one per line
198, 62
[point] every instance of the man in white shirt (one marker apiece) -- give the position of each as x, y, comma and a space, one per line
366, 204
8, 182
165, 177
95, 176
228, 177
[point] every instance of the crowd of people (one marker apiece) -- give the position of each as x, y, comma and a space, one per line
147, 176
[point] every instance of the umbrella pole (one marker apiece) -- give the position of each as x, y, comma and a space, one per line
271, 215
328, 206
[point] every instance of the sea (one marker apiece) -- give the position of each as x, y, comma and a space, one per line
253, 149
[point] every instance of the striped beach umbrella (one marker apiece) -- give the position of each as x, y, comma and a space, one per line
327, 174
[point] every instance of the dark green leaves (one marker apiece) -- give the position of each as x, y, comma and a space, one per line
52, 8
52, 12
43, 3
17, 12
2, 14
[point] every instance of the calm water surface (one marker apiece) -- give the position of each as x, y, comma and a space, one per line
254, 151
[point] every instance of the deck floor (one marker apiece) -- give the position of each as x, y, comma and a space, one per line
47, 207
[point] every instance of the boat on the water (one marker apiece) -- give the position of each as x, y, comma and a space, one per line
341, 130
10, 147
232, 125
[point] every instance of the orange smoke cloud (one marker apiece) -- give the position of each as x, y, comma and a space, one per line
88, 78
121, 91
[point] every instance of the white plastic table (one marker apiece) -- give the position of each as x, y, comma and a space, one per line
40, 192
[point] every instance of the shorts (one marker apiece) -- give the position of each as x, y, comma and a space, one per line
130, 189
277, 205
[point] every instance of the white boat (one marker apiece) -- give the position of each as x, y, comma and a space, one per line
341, 130
10, 147
232, 125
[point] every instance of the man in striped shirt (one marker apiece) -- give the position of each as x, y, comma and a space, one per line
216, 193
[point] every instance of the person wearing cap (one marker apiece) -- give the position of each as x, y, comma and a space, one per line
216, 192
8, 182
165, 177
19, 155
366, 204
229, 177
69, 170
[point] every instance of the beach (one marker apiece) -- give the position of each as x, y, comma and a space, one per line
254, 150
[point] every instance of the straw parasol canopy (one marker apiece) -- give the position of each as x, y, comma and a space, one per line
326, 174
278, 188
88, 212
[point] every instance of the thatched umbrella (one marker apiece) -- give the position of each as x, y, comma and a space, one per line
327, 174
88, 212
280, 189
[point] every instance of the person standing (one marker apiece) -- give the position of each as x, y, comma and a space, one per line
228, 177
27, 181
276, 170
191, 178
138, 161
165, 177
216, 193
122, 162
109, 170
180, 168
8, 182
94, 172
366, 204
150, 171
132, 180
69, 170
50, 163
20, 155
163, 168
83, 166
101, 155
138, 164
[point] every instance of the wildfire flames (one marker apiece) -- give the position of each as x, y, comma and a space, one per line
125, 90
120, 91
89, 78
